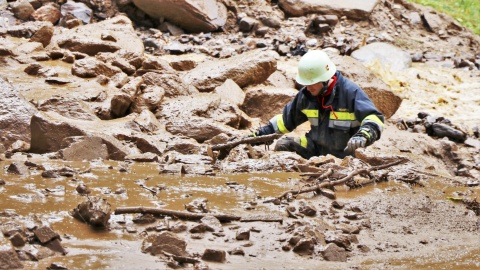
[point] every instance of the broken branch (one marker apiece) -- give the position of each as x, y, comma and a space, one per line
249, 140
340, 181
173, 213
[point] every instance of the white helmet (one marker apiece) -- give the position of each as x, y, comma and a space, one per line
315, 66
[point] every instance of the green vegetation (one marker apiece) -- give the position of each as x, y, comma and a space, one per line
466, 12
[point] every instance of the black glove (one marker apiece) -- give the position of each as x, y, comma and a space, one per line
365, 136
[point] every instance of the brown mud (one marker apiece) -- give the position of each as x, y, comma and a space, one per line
403, 226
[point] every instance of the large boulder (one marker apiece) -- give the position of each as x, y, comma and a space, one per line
52, 132
191, 15
200, 117
259, 98
249, 68
388, 56
88, 39
353, 9
15, 114
377, 90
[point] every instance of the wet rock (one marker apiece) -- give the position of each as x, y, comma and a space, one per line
36, 252
173, 85
351, 10
338, 205
45, 234
243, 234
187, 14
82, 189
178, 227
337, 238
201, 228
75, 11
82, 40
334, 253
96, 211
79, 148
90, 67
56, 246
247, 24
304, 246
249, 68
56, 266
18, 168
8, 257
237, 251
443, 130
307, 210
2, 182
19, 111
327, 193
212, 222
260, 97
18, 240
231, 91
386, 100
22, 10
347, 228
164, 242
214, 255
144, 219
145, 157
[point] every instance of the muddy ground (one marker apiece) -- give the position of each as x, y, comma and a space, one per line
394, 224
388, 225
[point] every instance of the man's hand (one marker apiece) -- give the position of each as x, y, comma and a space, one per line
354, 143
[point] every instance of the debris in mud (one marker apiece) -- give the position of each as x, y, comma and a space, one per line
95, 211
321, 182
473, 205
434, 126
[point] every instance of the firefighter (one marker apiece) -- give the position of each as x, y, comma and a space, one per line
341, 115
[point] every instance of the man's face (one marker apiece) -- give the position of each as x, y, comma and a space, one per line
315, 89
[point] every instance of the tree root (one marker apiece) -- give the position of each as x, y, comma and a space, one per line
330, 184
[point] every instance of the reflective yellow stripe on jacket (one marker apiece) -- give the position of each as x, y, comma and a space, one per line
373, 118
343, 120
278, 124
312, 116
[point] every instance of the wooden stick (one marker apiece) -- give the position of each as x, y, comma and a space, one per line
340, 181
258, 139
174, 213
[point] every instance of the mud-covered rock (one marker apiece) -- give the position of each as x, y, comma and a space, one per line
214, 255
332, 252
164, 242
96, 212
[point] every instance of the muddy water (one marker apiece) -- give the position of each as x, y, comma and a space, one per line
50, 200
37, 199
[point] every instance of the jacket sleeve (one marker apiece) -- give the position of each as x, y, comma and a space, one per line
371, 119
291, 117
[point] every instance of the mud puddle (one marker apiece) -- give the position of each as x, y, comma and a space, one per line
31, 198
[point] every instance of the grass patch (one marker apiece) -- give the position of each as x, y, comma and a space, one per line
466, 12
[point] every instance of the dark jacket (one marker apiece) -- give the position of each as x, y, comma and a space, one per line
330, 131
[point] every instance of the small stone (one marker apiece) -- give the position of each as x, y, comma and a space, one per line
237, 251
214, 255
45, 234
243, 234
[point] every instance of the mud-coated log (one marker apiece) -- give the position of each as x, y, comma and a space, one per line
249, 140
173, 213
